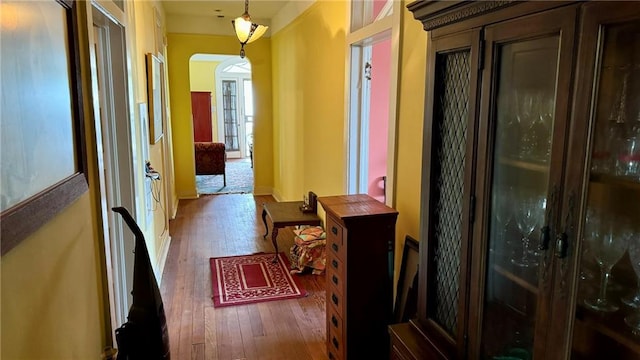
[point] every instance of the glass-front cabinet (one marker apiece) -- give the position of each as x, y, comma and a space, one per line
530, 231
605, 306
523, 125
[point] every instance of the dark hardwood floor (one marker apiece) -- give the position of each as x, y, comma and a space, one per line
225, 225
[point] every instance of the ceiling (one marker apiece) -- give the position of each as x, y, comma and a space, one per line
229, 9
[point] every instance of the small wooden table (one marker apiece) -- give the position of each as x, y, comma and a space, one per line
285, 214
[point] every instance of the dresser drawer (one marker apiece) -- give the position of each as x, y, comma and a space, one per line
335, 239
335, 299
334, 321
335, 345
335, 274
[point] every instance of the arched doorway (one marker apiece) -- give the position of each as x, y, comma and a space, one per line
223, 111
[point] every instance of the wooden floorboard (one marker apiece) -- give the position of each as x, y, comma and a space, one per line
228, 225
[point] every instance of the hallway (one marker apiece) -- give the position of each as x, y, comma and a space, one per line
228, 225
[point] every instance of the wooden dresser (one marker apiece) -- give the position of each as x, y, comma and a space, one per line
360, 243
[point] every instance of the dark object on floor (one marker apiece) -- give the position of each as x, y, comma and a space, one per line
210, 159
145, 334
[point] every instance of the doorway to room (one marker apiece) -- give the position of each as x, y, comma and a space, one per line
223, 111
373, 52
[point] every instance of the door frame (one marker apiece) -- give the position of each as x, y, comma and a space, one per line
356, 152
239, 78
115, 134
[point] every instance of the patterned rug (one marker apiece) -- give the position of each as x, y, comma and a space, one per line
239, 179
248, 279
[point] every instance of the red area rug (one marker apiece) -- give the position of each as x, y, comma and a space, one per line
248, 279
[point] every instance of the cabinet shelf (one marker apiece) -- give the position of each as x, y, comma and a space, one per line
618, 181
609, 326
516, 279
526, 165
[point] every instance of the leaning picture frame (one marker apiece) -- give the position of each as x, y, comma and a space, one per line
406, 290
154, 94
42, 151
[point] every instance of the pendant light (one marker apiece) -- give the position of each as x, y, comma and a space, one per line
246, 30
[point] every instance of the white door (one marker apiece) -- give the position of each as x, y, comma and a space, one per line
234, 102
115, 158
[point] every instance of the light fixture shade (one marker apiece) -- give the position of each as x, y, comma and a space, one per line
246, 31
257, 33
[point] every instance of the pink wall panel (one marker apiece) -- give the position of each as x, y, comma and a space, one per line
379, 117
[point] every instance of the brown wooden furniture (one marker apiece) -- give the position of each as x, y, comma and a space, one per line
528, 182
360, 243
211, 159
202, 119
283, 214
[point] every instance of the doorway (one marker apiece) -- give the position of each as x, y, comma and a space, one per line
224, 112
373, 50
117, 166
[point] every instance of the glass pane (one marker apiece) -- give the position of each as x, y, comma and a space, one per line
608, 306
365, 12
230, 112
37, 128
524, 123
450, 135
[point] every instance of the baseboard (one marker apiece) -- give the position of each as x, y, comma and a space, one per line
276, 195
174, 211
162, 259
262, 190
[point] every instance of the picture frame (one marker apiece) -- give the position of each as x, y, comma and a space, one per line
406, 289
43, 152
154, 94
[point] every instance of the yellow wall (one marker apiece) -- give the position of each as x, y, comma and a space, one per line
409, 132
308, 87
202, 77
180, 48
52, 304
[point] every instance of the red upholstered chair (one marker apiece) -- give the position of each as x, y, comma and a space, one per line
210, 159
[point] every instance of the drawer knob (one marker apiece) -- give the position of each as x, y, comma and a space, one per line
334, 279
334, 230
334, 246
334, 263
334, 298
334, 321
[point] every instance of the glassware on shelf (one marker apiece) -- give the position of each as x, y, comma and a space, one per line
628, 156
606, 150
546, 108
529, 213
503, 216
526, 107
633, 320
608, 242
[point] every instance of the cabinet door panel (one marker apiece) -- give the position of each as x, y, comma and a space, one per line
448, 163
524, 119
597, 290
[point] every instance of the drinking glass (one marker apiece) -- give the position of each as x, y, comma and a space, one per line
546, 106
608, 243
502, 215
526, 120
529, 213
628, 157
633, 320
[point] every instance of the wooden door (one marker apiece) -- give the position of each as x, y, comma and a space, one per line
201, 109
448, 172
596, 307
524, 115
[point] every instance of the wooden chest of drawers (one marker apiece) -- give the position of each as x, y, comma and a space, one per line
360, 243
